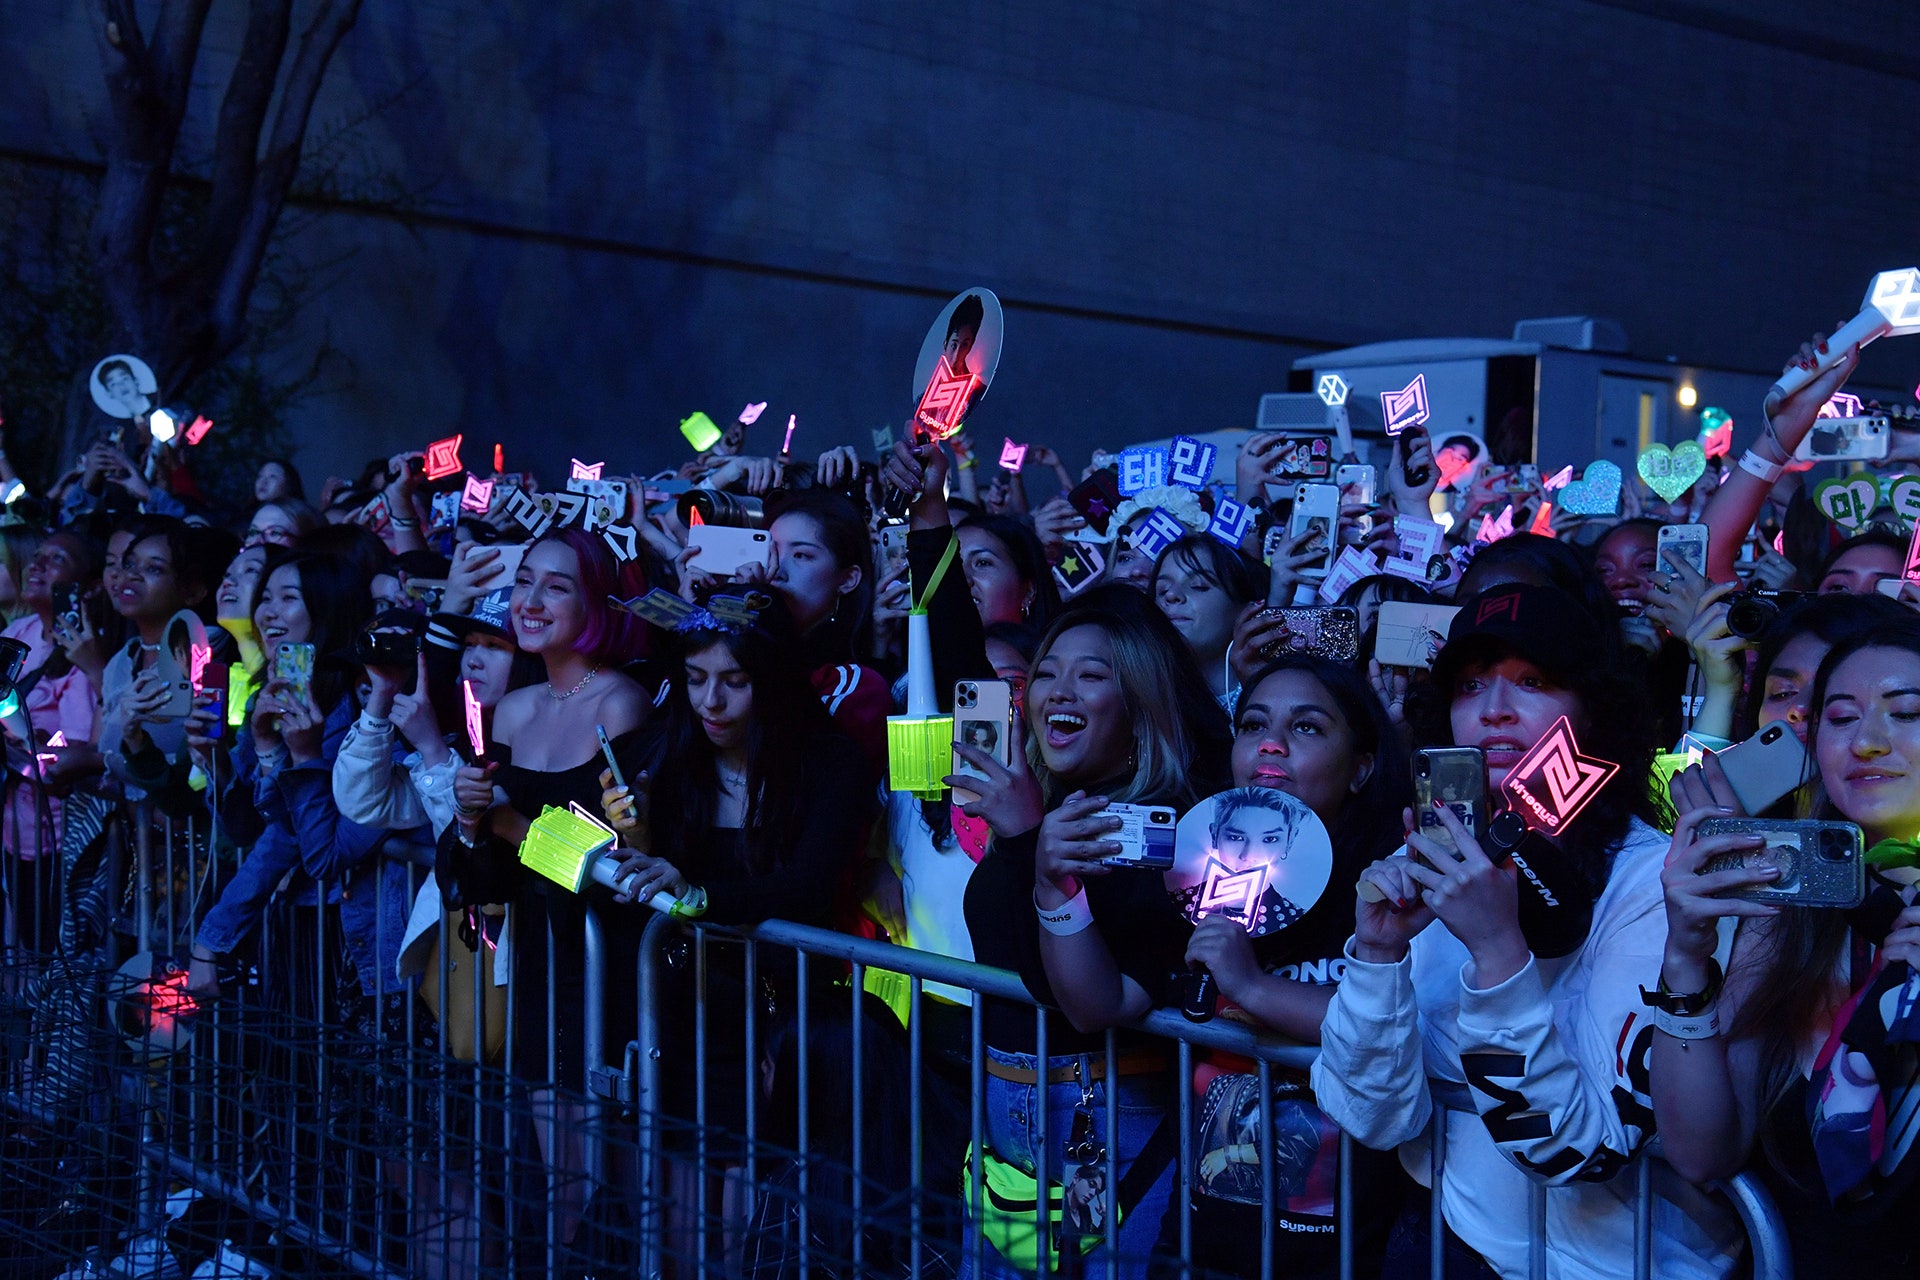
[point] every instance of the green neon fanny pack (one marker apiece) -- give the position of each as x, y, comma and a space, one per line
1008, 1205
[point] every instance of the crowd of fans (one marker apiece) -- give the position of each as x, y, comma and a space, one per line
748, 724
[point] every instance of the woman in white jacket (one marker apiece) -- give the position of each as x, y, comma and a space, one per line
1449, 978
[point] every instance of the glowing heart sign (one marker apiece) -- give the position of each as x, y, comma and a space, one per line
1903, 495
1254, 854
1552, 783
443, 458
477, 495
1595, 493
586, 470
1671, 472
1406, 407
1846, 500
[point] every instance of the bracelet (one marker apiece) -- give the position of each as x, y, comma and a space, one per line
1071, 917
1761, 468
403, 522
967, 462
691, 905
1698, 1026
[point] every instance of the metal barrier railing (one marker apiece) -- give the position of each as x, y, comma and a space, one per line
446, 1165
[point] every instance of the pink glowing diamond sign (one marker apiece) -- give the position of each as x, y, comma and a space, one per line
1553, 782
586, 470
477, 496
1254, 854
1406, 407
1013, 456
751, 414
945, 404
443, 458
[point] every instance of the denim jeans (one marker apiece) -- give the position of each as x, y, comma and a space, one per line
1011, 1122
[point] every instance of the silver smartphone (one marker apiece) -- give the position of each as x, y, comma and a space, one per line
1822, 864
1145, 836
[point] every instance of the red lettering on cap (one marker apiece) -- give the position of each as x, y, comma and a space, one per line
1493, 606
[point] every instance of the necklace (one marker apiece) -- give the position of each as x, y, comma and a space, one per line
562, 697
730, 780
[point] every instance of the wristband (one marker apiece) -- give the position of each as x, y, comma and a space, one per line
1761, 468
691, 905
1699, 1026
403, 522
1070, 917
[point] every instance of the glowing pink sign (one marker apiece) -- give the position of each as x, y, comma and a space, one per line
198, 656
1843, 405
751, 414
198, 428
793, 420
1494, 528
1230, 892
47, 758
1558, 480
1719, 442
1553, 782
477, 496
474, 734
443, 458
1406, 407
1013, 456
586, 471
946, 401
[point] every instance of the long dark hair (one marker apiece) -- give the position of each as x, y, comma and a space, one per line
1618, 727
338, 602
1836, 618
1029, 560
1369, 825
783, 731
843, 533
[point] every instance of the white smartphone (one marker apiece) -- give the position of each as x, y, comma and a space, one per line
893, 547
983, 720
1410, 635
1316, 509
1359, 486
1145, 837
1687, 541
1845, 439
722, 550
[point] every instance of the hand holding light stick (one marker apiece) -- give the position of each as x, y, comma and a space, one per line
1892, 307
606, 865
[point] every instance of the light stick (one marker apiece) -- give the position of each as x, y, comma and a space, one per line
475, 735
1332, 389
569, 846
586, 470
1406, 407
477, 496
443, 458
786, 446
700, 431
1553, 782
198, 428
163, 426
1013, 456
1892, 306
751, 414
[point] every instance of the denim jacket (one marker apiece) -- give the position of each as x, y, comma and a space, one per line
286, 812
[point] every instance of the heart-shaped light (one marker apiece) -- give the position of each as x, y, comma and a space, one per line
1671, 472
1846, 500
1596, 492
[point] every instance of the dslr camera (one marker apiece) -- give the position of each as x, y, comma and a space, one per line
1754, 610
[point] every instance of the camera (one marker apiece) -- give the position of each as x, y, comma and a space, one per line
717, 506
390, 640
1754, 610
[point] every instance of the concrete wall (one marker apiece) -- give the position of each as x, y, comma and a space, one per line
627, 211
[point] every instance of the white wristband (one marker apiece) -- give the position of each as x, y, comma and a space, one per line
1760, 468
1067, 919
1700, 1026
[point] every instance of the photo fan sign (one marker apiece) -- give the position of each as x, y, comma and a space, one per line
957, 361
1553, 782
1257, 855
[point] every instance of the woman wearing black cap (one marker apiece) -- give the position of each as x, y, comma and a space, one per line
1444, 982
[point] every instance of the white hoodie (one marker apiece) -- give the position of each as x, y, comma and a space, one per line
1556, 1061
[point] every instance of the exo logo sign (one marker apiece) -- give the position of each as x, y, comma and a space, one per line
1552, 783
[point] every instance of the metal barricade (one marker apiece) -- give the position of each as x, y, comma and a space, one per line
282, 1132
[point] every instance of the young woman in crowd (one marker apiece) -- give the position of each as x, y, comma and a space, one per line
282, 522
277, 479
277, 799
1119, 712
18, 542
1315, 730
56, 698
1207, 589
1442, 980
1792, 1028
1860, 564
753, 805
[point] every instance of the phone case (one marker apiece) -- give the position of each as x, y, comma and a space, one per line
1145, 836
1323, 631
294, 664
1411, 635
1689, 541
1096, 499
1845, 439
1457, 777
721, 549
1316, 507
1766, 767
982, 718
216, 678
1822, 864
179, 704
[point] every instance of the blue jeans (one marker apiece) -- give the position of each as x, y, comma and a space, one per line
1011, 1122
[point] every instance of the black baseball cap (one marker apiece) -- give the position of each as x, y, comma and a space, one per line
1544, 625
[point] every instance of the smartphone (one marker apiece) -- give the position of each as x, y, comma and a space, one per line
66, 605
1845, 439
1411, 635
893, 547
1096, 499
293, 663
1410, 439
215, 679
1323, 631
1316, 511
606, 749
1687, 541
722, 550
1145, 836
1766, 767
982, 719
1822, 864
1359, 486
1457, 778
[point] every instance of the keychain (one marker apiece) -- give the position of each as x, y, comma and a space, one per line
1084, 1211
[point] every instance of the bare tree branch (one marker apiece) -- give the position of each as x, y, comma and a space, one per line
243, 114
174, 49
277, 169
